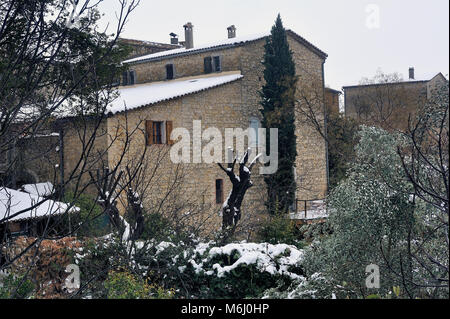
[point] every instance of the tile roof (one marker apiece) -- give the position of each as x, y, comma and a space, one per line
13, 202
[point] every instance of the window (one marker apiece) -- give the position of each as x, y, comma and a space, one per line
217, 64
129, 77
125, 78
213, 64
158, 132
169, 71
219, 191
208, 65
253, 132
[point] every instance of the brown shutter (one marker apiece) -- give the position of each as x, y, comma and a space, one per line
169, 127
149, 132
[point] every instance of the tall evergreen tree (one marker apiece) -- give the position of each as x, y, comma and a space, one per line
278, 101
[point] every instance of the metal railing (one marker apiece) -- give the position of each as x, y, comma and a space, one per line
304, 205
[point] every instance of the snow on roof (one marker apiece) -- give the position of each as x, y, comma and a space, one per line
150, 93
40, 189
13, 201
226, 42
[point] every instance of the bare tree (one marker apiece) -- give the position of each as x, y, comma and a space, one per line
425, 161
55, 64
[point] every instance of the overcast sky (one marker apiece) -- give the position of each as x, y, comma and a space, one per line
359, 36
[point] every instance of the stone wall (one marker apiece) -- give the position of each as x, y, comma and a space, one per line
385, 105
139, 48
184, 66
81, 152
220, 107
311, 162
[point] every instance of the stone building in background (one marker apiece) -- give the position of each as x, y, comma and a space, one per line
332, 100
389, 105
140, 47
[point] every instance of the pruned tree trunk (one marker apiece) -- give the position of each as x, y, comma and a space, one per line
231, 209
107, 195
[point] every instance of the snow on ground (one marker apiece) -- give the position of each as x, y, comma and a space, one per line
310, 214
317, 210
13, 201
144, 94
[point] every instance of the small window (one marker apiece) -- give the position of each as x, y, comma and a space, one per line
157, 132
132, 75
217, 64
208, 64
129, 77
154, 132
219, 191
125, 78
169, 71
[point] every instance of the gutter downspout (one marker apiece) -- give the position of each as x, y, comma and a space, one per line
325, 127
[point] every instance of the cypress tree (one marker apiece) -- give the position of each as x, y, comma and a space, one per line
278, 102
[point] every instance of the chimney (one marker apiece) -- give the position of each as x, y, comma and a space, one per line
231, 31
173, 38
188, 35
411, 73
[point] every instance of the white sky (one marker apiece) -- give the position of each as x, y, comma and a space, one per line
410, 33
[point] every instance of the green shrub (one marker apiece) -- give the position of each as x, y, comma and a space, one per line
91, 219
16, 287
124, 285
280, 230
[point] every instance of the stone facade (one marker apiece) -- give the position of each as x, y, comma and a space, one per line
191, 187
388, 105
230, 105
332, 100
139, 47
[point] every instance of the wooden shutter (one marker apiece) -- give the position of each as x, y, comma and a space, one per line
169, 71
125, 78
132, 77
169, 127
217, 64
149, 132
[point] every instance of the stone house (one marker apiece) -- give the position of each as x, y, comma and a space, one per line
217, 84
389, 105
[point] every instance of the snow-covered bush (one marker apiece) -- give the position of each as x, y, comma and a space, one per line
197, 269
315, 287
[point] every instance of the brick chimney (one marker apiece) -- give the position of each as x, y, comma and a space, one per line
231, 31
188, 35
173, 38
411, 73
